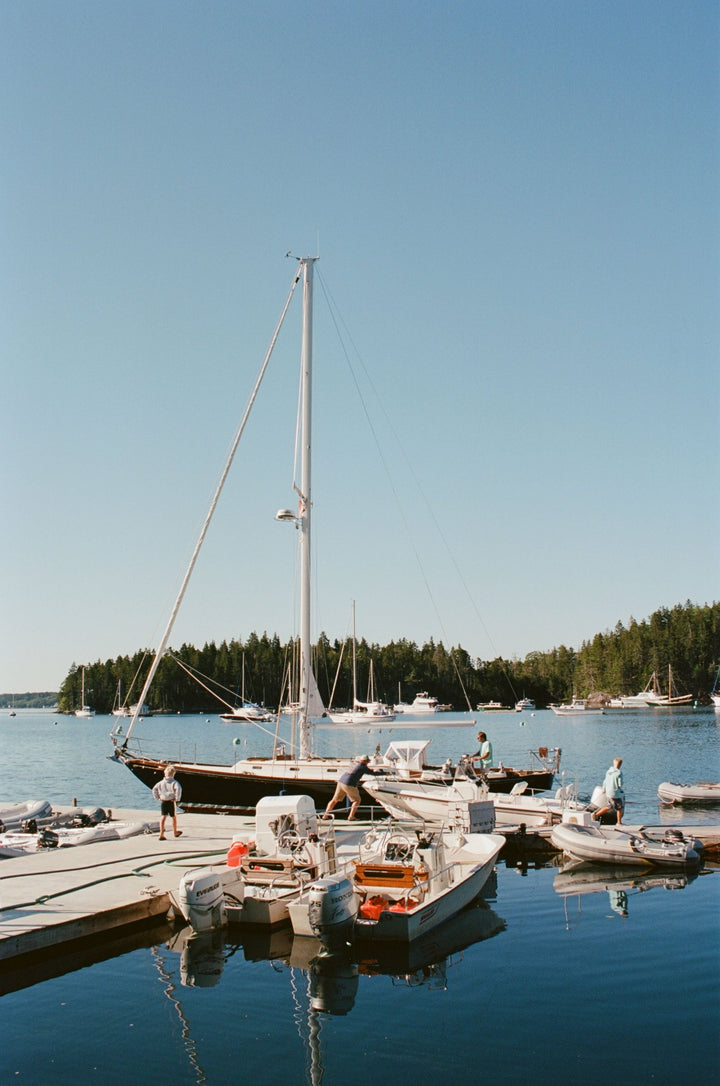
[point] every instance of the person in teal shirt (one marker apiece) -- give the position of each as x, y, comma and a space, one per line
613, 789
485, 754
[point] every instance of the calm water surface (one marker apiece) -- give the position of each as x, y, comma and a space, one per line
604, 979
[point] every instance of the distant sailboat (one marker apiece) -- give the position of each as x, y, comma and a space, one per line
655, 697
362, 712
84, 710
247, 712
715, 693
118, 708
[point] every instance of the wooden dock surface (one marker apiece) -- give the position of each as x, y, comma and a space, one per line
57, 897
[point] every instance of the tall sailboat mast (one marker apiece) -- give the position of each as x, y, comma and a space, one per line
305, 508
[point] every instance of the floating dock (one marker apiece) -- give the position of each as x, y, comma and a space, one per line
58, 896
58, 899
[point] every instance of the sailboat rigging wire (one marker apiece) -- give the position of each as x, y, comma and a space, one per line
334, 312
213, 505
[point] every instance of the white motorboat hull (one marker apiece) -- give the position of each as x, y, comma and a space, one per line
701, 793
381, 900
435, 802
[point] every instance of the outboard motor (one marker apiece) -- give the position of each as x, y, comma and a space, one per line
332, 908
201, 900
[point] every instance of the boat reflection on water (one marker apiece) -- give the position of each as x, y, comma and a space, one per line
619, 883
333, 976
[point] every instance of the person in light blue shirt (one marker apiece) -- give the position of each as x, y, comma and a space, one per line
613, 789
485, 754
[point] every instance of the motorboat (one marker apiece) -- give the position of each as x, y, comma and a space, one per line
583, 839
577, 707
408, 879
264, 871
421, 703
702, 793
524, 705
492, 707
437, 801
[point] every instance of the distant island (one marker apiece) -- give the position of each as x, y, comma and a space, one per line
43, 699
617, 662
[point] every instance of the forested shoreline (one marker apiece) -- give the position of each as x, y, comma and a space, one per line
619, 661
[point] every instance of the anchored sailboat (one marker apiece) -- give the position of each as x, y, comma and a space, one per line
655, 697
239, 786
84, 710
362, 712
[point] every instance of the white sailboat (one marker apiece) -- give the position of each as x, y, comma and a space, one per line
292, 768
247, 712
119, 709
84, 710
240, 785
715, 693
362, 712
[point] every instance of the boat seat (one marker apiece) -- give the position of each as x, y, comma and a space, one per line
386, 874
269, 868
519, 788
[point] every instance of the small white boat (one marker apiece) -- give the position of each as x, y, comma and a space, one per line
702, 792
421, 703
248, 713
263, 874
492, 707
13, 815
577, 707
582, 839
21, 843
408, 880
524, 705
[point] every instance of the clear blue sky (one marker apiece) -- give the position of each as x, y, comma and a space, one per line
516, 211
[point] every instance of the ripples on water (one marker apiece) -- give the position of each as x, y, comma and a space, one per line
558, 988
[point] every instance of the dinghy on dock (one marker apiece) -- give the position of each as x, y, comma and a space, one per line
583, 839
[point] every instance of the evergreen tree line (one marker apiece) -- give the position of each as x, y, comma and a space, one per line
616, 662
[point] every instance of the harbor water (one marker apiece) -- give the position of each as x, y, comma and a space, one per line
552, 977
